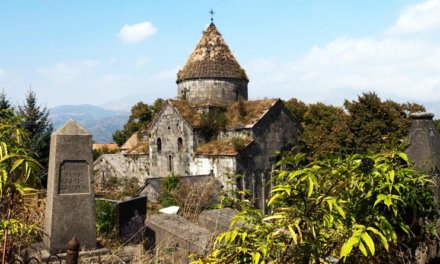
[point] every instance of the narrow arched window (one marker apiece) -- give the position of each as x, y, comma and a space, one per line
159, 145
170, 163
179, 144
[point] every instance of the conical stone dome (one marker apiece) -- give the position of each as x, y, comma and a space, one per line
211, 58
211, 73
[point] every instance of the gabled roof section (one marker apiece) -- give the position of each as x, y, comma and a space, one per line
245, 114
238, 115
211, 58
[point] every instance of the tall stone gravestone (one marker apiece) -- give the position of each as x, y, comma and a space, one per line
70, 206
424, 146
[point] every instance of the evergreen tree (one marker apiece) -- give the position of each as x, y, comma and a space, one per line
5, 107
38, 125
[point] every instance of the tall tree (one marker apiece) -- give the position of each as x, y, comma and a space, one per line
39, 127
376, 124
141, 116
5, 107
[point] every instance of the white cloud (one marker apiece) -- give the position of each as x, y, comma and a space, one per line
2, 72
402, 68
67, 72
169, 75
136, 32
392, 67
421, 17
141, 62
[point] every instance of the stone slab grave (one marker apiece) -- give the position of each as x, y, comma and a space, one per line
177, 235
70, 204
216, 220
130, 218
166, 232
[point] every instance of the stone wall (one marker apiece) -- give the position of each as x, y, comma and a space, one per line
109, 166
153, 185
220, 166
276, 130
171, 144
221, 91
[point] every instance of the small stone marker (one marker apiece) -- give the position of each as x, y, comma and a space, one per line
70, 205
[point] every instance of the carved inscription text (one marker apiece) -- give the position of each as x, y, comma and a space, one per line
74, 177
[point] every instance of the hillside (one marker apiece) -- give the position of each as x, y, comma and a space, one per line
100, 122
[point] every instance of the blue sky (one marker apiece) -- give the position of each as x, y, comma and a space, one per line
115, 53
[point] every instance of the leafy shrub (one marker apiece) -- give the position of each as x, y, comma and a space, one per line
18, 172
361, 209
211, 122
168, 195
105, 216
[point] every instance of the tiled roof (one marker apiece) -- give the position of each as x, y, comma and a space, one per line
105, 146
135, 145
211, 58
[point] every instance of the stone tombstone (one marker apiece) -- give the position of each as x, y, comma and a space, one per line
424, 146
70, 204
130, 218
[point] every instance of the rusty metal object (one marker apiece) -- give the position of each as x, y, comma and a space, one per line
72, 251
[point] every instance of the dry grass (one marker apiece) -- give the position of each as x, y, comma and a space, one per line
224, 147
243, 113
238, 114
193, 197
187, 111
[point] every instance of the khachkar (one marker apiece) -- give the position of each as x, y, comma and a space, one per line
70, 205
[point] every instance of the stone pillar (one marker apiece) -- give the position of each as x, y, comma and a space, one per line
70, 204
424, 146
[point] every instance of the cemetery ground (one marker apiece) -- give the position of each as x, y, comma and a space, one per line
357, 208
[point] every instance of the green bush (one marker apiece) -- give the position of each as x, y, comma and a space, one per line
170, 187
105, 217
360, 209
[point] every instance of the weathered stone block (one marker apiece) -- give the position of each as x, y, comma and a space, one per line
216, 220
174, 231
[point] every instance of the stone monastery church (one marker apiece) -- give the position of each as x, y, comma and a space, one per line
211, 128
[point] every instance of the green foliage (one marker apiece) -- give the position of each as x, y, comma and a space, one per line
36, 122
437, 124
362, 209
375, 123
141, 116
211, 122
4, 105
17, 177
326, 129
168, 194
362, 125
105, 217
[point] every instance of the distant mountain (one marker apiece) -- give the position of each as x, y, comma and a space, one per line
100, 122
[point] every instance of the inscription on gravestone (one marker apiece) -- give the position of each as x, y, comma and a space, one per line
74, 177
